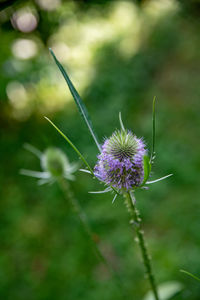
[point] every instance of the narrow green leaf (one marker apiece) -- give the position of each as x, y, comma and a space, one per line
159, 179
190, 274
153, 129
72, 145
147, 169
120, 121
79, 102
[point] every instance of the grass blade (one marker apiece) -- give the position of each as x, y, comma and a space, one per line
153, 130
190, 274
79, 102
72, 145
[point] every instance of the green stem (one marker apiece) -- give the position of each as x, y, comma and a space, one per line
136, 220
83, 218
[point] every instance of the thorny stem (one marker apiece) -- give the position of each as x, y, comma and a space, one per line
83, 218
136, 220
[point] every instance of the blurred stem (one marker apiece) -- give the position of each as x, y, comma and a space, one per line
136, 221
84, 221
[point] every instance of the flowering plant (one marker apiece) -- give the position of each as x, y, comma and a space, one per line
120, 163
123, 166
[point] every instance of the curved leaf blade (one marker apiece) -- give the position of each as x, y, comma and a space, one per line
153, 130
79, 102
190, 274
72, 145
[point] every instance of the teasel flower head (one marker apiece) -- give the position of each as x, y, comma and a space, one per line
54, 163
120, 163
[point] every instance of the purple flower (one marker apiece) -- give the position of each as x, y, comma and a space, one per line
120, 163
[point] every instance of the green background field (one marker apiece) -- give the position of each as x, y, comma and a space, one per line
119, 54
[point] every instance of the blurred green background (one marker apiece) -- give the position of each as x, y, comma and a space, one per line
119, 54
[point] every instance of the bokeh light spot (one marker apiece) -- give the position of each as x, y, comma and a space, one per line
25, 20
24, 48
19, 100
48, 4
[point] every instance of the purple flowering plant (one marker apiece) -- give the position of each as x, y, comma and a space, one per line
123, 166
120, 163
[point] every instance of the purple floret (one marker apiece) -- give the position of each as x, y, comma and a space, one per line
120, 163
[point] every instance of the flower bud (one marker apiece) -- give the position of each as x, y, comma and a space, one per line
55, 162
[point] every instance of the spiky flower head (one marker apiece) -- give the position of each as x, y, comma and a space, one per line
120, 163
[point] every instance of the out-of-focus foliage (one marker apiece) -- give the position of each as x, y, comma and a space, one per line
119, 55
